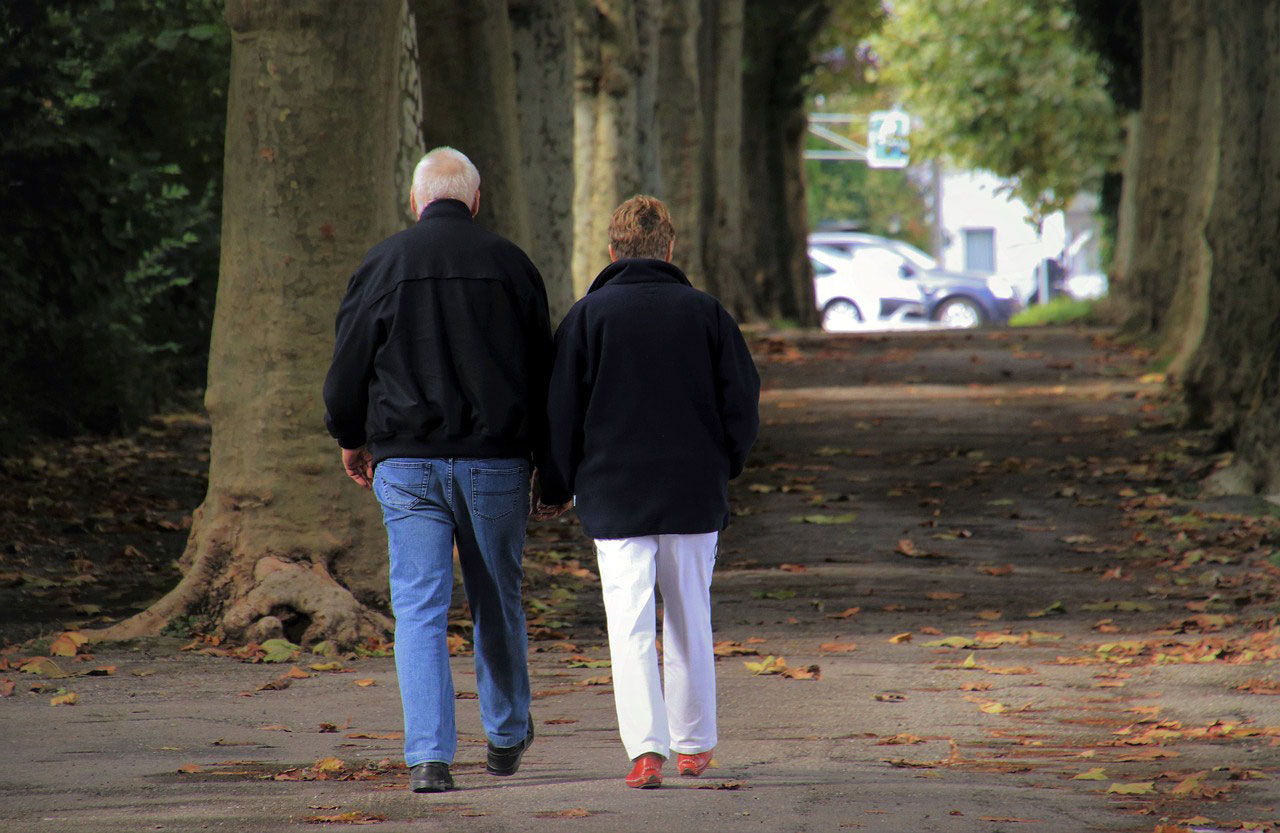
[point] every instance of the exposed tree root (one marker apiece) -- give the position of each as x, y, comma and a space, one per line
252, 596
307, 590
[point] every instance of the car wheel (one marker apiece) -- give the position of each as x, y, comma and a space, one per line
958, 312
840, 314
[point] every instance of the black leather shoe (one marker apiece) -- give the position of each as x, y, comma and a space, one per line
505, 760
431, 777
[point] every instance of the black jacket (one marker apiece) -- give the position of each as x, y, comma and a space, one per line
653, 405
443, 345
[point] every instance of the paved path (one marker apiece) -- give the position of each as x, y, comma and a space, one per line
1019, 494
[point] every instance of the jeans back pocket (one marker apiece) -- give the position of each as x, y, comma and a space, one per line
495, 493
402, 485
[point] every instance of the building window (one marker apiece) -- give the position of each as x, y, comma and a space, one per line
980, 250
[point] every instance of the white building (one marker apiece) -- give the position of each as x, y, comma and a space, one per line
986, 229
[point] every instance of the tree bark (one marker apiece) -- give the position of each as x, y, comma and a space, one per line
680, 131
469, 102
1168, 276
542, 35
283, 543
722, 189
1233, 378
777, 41
614, 156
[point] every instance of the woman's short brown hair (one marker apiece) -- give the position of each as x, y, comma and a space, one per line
641, 227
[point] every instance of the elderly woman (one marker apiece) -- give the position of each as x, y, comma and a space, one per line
653, 406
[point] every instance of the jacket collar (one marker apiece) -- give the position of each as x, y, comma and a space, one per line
445, 208
639, 270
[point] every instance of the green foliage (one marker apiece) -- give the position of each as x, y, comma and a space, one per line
841, 48
1005, 86
884, 202
112, 152
1057, 312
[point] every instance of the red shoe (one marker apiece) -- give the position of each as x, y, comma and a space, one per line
691, 766
647, 773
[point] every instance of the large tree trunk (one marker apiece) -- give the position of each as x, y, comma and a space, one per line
542, 36
1168, 276
283, 541
680, 131
469, 102
777, 42
614, 157
1233, 379
722, 190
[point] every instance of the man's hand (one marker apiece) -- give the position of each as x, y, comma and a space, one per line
539, 511
359, 465
543, 512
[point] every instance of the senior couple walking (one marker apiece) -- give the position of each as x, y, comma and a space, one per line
453, 403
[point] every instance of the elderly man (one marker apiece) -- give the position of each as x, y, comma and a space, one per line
437, 396
654, 406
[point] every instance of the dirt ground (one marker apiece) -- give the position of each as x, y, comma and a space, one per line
970, 586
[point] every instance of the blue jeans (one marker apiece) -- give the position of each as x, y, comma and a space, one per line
483, 506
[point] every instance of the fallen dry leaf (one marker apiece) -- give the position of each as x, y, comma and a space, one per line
1096, 774
846, 613
351, 817
560, 721
943, 596
188, 769
721, 785
605, 679
365, 683
900, 739
376, 735
42, 666
837, 647
1132, 788
732, 649
768, 665
68, 644
989, 615
808, 672
571, 813
1259, 686
69, 698
329, 765
996, 569
6, 688
325, 666
898, 639
908, 548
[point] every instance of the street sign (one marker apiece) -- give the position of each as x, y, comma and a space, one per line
887, 139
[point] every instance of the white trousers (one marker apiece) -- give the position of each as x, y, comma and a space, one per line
685, 719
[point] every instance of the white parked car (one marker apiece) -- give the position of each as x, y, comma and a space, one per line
902, 273
850, 291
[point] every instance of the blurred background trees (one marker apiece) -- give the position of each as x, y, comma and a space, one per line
111, 154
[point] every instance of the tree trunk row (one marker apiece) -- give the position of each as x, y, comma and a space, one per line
1201, 273
568, 107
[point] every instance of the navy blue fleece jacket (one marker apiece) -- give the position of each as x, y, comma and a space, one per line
653, 405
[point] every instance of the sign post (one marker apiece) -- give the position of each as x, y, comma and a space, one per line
888, 143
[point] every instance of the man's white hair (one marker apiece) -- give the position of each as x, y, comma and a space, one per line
445, 174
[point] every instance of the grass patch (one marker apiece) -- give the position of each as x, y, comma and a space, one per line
1056, 312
